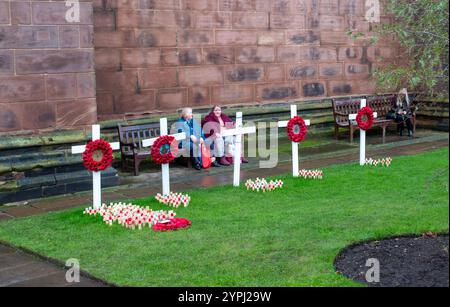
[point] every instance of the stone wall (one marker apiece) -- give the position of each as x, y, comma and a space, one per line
47, 77
160, 55
155, 56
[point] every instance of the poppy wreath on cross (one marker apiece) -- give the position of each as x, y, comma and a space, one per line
98, 155
296, 129
164, 149
364, 118
172, 224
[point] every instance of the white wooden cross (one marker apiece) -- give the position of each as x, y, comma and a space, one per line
96, 176
238, 131
283, 124
164, 167
362, 135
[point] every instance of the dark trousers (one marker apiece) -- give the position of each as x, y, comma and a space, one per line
195, 160
402, 121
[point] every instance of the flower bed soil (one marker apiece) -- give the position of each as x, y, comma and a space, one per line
404, 261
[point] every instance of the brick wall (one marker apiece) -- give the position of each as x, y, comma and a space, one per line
47, 77
159, 55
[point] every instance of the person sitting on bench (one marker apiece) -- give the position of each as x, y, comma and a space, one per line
187, 124
402, 113
213, 125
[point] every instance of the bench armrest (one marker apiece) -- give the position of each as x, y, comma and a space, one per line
132, 146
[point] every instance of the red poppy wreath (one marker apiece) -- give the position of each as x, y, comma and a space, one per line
164, 149
173, 224
364, 119
296, 129
97, 155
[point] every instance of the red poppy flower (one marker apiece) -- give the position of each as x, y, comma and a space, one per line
300, 134
173, 224
98, 155
164, 149
365, 118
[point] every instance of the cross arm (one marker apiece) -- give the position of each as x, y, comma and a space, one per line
81, 148
353, 116
245, 130
150, 142
284, 123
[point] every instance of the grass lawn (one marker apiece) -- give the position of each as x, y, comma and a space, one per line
240, 238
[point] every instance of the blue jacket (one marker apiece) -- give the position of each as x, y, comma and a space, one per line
191, 127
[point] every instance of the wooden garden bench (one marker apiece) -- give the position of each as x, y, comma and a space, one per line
130, 138
342, 108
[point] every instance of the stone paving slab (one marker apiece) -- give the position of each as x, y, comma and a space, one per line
23, 272
10, 260
57, 279
20, 269
21, 211
88, 283
52, 280
65, 202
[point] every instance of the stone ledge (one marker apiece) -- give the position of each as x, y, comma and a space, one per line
55, 184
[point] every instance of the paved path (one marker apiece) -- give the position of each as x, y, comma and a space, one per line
18, 268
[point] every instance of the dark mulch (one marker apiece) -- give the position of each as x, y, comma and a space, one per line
404, 261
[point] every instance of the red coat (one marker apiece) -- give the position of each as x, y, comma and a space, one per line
211, 118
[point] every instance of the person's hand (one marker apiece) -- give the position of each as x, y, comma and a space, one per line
194, 139
218, 135
202, 141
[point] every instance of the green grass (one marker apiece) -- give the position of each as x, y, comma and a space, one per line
240, 238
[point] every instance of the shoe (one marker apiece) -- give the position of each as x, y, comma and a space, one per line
224, 161
230, 159
197, 167
215, 164
243, 160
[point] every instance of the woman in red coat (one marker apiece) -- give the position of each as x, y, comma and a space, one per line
222, 147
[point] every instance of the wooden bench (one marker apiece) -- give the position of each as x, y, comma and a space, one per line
342, 108
130, 138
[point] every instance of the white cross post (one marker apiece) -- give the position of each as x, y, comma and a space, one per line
362, 135
96, 176
283, 124
164, 167
238, 131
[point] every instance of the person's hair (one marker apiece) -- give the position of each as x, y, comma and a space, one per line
185, 111
403, 93
215, 106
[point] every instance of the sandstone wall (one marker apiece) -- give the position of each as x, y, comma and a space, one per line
47, 77
160, 55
